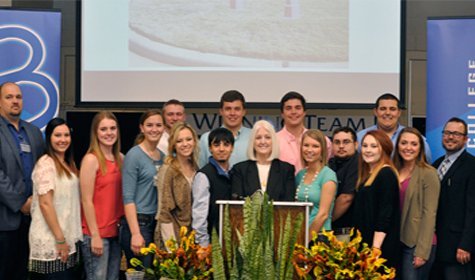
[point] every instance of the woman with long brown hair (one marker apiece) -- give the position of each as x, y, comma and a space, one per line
139, 192
419, 197
55, 209
376, 205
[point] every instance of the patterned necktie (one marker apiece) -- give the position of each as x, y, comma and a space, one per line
443, 168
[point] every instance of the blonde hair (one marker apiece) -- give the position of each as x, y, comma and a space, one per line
251, 153
94, 147
171, 158
317, 135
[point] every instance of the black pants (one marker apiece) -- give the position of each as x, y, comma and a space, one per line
14, 252
451, 271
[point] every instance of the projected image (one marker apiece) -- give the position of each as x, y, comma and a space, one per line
239, 33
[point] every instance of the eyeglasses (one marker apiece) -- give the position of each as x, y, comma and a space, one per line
453, 133
344, 142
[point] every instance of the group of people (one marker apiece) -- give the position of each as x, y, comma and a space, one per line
379, 181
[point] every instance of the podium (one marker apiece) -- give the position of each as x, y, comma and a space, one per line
281, 210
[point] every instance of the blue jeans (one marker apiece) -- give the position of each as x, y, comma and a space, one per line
103, 267
147, 228
408, 272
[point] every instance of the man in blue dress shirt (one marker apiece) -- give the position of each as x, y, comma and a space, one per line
21, 144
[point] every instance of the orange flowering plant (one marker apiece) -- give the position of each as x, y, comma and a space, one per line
185, 260
340, 260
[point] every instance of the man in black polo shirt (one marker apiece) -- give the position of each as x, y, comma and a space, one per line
345, 164
211, 183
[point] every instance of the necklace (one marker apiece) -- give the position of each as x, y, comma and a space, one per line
306, 187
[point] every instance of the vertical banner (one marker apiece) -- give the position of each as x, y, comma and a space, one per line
30, 43
450, 78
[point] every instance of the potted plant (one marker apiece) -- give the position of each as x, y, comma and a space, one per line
333, 259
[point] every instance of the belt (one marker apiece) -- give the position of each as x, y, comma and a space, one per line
146, 218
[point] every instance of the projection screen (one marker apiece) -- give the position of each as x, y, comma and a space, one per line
338, 53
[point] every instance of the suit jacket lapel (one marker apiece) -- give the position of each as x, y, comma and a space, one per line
6, 133
254, 181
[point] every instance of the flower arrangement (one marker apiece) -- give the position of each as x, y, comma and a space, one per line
340, 260
185, 260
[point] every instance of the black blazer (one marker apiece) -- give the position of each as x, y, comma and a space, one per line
280, 184
455, 225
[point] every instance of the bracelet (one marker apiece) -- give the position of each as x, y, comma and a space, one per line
60, 242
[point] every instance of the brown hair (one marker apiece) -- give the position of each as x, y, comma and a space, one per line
69, 166
421, 159
140, 137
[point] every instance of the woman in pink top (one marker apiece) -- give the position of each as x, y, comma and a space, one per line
101, 197
419, 196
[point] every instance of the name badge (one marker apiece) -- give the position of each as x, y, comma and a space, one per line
25, 148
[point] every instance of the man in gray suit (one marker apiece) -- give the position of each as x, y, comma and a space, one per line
21, 144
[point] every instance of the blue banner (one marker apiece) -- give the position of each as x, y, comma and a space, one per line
30, 44
450, 78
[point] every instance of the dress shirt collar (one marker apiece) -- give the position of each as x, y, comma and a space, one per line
453, 157
218, 167
289, 136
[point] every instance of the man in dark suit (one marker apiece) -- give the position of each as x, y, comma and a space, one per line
455, 225
21, 144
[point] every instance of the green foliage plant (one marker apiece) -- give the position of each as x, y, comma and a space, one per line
253, 255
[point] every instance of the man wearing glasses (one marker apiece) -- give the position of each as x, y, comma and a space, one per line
345, 164
455, 224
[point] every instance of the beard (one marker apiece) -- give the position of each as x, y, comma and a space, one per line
452, 149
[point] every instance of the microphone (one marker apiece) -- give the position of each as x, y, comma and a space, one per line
236, 196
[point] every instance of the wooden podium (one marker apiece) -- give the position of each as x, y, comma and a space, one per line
281, 209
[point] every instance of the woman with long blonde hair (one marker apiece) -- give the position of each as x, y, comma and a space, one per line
174, 182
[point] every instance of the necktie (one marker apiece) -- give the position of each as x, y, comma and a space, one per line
443, 168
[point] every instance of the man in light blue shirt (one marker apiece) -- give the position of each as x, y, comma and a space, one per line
387, 111
232, 110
